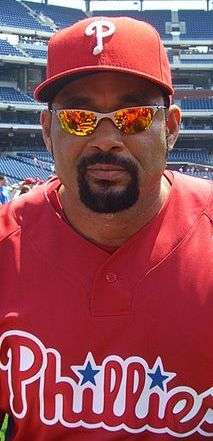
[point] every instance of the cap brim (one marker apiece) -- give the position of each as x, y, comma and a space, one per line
46, 91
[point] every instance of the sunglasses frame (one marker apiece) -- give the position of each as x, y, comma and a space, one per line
110, 115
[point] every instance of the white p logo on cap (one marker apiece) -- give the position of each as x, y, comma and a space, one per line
98, 27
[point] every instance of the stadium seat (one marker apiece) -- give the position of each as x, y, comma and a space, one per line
18, 170
61, 16
14, 13
191, 156
198, 24
12, 95
8, 49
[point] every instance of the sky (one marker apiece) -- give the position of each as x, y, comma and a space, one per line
147, 4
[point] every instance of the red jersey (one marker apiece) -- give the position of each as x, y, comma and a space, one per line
107, 346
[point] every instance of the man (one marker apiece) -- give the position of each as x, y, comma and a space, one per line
4, 193
106, 270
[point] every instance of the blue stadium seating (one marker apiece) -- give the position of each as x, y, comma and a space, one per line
35, 52
196, 124
20, 117
14, 13
8, 49
197, 104
11, 95
19, 170
61, 16
196, 61
199, 24
43, 159
158, 19
193, 156
41, 156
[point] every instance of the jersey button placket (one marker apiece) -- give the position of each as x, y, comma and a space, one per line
110, 296
111, 277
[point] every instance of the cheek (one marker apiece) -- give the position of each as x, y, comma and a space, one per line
66, 148
67, 151
149, 148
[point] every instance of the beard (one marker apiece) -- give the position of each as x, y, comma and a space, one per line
108, 199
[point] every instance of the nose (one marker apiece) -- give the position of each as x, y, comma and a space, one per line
106, 137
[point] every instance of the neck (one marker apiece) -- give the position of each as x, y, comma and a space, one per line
112, 230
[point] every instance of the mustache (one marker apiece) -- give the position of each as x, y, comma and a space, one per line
107, 158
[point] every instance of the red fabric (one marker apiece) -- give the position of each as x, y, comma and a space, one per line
124, 339
134, 47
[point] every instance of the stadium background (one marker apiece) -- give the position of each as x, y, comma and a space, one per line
25, 28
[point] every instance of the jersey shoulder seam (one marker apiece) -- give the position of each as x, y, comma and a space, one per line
16, 227
5, 238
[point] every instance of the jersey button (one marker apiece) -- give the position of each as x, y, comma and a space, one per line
111, 277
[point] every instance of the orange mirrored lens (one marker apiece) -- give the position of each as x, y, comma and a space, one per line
131, 121
128, 121
77, 122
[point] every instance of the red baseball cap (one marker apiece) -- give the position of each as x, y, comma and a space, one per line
97, 44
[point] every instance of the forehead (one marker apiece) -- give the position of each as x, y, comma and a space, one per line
106, 87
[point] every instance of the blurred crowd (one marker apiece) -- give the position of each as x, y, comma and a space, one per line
13, 191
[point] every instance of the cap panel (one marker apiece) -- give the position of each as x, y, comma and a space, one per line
121, 44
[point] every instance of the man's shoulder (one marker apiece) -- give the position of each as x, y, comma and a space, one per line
20, 212
196, 192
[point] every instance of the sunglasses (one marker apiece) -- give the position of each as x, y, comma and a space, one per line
129, 121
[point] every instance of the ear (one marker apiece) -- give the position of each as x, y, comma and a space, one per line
173, 121
46, 120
